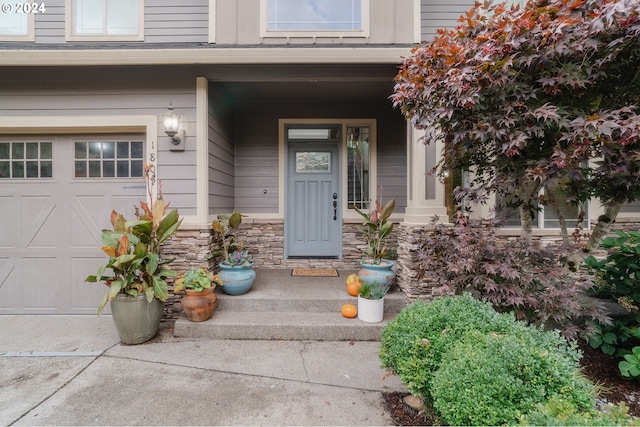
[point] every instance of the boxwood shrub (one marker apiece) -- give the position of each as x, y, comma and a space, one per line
413, 343
493, 379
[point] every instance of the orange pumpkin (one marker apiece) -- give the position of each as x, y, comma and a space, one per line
349, 311
353, 285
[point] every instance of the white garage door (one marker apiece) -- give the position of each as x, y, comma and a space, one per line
56, 195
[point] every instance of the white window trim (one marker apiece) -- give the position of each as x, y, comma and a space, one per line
212, 21
363, 33
29, 37
347, 214
70, 36
49, 125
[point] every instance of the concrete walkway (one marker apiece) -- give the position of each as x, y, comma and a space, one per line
72, 370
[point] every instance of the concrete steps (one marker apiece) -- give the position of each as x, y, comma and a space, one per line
282, 307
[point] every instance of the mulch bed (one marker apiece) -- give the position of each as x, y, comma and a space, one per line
600, 368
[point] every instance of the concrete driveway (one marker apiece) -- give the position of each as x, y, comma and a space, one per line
72, 370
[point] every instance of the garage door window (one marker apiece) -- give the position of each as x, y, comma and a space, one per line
108, 159
26, 160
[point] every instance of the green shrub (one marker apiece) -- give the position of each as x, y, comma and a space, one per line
618, 276
414, 342
559, 412
493, 379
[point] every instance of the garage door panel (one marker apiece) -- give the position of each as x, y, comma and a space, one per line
9, 295
85, 297
50, 233
85, 233
9, 218
43, 229
42, 285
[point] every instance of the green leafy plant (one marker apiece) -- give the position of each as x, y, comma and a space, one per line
560, 412
376, 228
630, 366
618, 276
491, 379
225, 228
196, 280
611, 339
373, 290
133, 247
414, 343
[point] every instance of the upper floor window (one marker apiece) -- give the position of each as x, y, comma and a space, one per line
324, 17
16, 21
105, 20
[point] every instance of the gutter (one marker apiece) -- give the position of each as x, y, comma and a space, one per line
188, 56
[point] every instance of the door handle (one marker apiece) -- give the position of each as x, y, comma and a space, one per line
335, 209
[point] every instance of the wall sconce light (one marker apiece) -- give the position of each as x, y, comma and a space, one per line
172, 129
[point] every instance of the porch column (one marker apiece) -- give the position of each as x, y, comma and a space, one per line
426, 198
426, 194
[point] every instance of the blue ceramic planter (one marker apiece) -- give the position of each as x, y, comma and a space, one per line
236, 280
378, 273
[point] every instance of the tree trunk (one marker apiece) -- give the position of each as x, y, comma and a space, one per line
526, 220
600, 231
603, 226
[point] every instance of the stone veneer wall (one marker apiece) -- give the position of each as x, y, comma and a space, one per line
410, 236
190, 248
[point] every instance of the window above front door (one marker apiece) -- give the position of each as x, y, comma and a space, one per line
333, 18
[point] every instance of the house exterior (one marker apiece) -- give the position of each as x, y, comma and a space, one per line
284, 115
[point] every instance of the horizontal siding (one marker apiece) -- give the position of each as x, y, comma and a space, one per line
436, 14
257, 148
237, 23
221, 167
49, 26
103, 91
184, 21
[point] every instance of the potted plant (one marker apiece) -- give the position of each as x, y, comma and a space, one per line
134, 272
371, 301
236, 270
199, 300
376, 228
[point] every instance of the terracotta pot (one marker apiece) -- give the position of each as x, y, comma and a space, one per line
198, 306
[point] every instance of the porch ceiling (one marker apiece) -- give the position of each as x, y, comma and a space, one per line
299, 83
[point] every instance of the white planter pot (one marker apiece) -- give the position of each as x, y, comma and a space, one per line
370, 310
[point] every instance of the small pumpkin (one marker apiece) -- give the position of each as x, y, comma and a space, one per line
353, 285
349, 311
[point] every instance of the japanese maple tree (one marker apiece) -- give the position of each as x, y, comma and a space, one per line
543, 97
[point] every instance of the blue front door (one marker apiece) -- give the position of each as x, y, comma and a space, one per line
313, 214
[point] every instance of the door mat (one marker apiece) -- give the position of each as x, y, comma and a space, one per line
315, 272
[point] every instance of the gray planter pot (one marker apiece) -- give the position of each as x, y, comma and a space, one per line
136, 320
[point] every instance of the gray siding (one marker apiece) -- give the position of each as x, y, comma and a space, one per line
257, 148
436, 14
221, 153
49, 26
631, 207
171, 21
238, 23
165, 21
121, 92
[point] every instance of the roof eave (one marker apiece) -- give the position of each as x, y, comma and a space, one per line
186, 56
